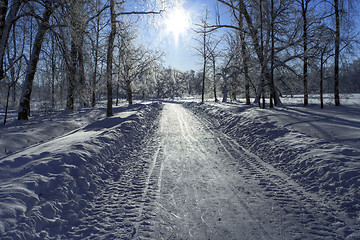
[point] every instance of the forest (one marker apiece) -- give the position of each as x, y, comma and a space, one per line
75, 53
253, 133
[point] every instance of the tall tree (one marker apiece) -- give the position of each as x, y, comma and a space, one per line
213, 54
8, 16
110, 48
134, 61
202, 49
240, 6
337, 53
244, 58
109, 59
24, 106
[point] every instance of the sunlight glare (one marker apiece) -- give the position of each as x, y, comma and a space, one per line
178, 22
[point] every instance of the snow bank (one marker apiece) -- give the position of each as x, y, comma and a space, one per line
44, 188
331, 169
42, 127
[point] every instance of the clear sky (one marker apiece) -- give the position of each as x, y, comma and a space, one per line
173, 34
180, 52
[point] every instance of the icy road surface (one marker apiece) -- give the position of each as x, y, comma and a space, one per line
193, 182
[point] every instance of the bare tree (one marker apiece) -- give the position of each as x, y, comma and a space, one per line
202, 49
109, 59
134, 61
213, 54
244, 58
8, 16
24, 106
110, 49
337, 53
95, 38
242, 9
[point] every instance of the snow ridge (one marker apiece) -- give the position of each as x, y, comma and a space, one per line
46, 189
328, 169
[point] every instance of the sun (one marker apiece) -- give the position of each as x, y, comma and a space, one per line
177, 22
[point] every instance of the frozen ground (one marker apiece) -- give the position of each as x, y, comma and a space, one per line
162, 171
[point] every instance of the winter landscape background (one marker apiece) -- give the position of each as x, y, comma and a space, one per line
197, 119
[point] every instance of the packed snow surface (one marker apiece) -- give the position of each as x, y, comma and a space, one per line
183, 171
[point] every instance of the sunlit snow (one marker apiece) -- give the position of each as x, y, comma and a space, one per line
183, 170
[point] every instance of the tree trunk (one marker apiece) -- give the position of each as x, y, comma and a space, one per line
53, 73
272, 52
244, 60
304, 6
93, 99
72, 76
262, 52
337, 54
24, 106
6, 24
109, 60
204, 68
117, 91
214, 79
259, 53
82, 78
321, 80
129, 92
3, 11
225, 88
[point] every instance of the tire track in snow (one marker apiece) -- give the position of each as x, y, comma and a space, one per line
200, 148
317, 219
198, 201
143, 226
126, 205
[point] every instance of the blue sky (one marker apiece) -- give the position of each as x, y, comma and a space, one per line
180, 54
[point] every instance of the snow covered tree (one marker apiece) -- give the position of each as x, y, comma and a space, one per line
24, 106
135, 62
8, 16
110, 49
255, 34
202, 49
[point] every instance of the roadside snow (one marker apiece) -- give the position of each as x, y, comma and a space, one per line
42, 127
320, 165
45, 187
284, 173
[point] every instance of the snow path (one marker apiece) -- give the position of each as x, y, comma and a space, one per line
191, 181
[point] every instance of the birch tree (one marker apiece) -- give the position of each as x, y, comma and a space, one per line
134, 61
202, 48
24, 106
8, 16
337, 53
110, 49
242, 9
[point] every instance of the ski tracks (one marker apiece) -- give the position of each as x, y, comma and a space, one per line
300, 214
124, 209
191, 181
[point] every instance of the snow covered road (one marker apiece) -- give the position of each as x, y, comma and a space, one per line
210, 187
190, 181
182, 174
199, 196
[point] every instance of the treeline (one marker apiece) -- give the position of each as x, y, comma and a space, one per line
73, 53
277, 47
68, 53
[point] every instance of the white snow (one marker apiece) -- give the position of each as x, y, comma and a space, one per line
212, 171
44, 186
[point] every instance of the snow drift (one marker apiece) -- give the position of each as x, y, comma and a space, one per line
45, 186
330, 169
